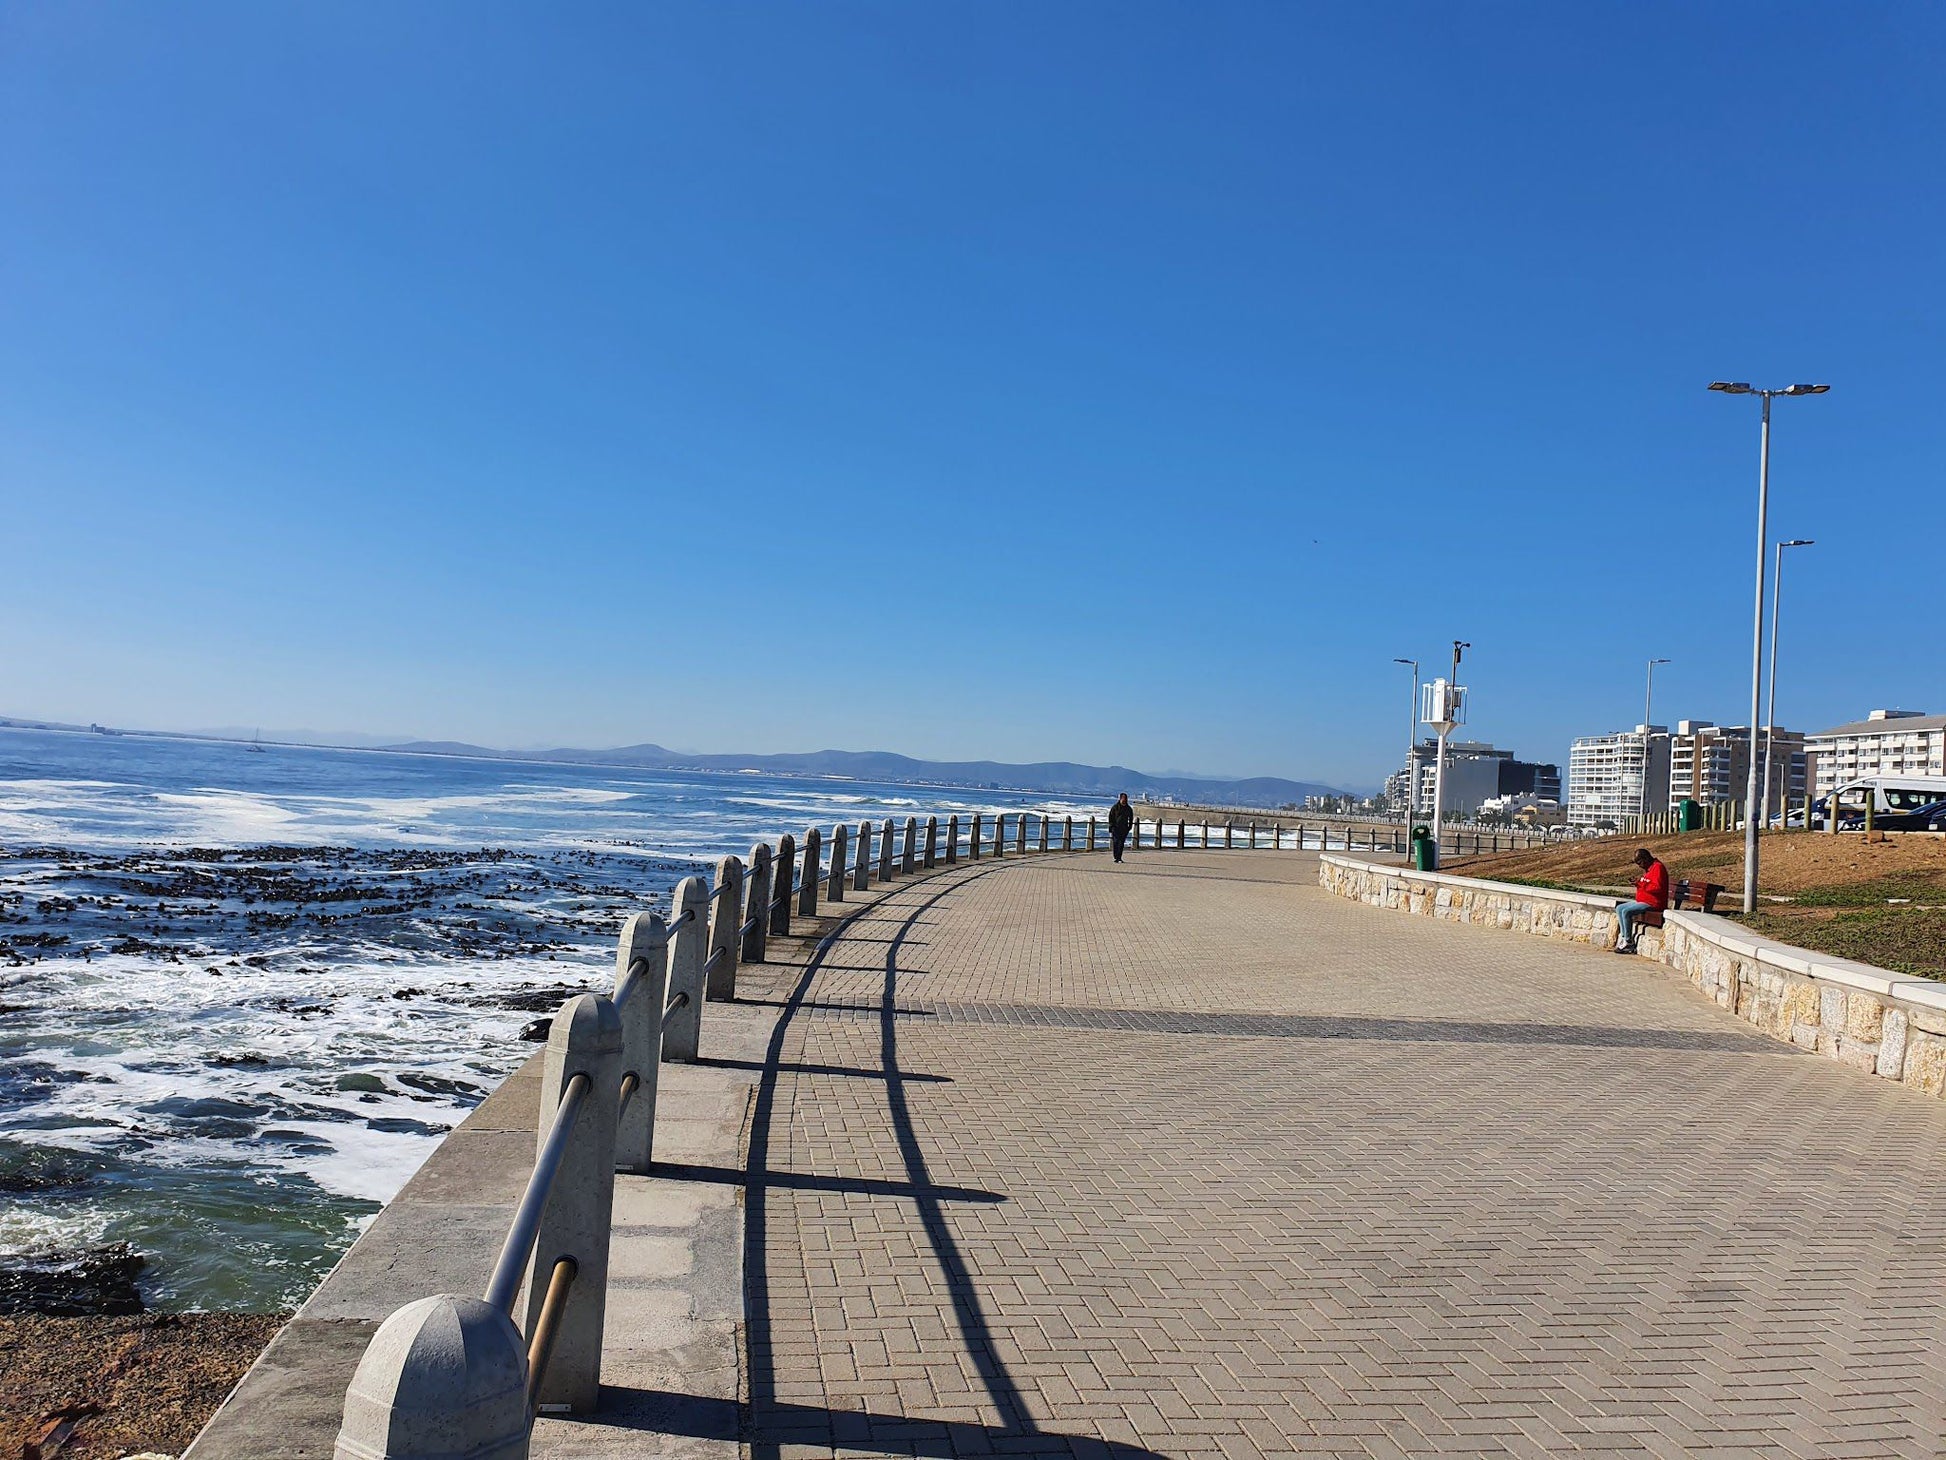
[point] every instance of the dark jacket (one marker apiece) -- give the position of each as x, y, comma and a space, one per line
1120, 817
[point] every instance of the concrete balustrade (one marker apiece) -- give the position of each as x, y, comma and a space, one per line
584, 1042
641, 993
862, 876
834, 889
783, 886
807, 894
725, 917
908, 854
756, 908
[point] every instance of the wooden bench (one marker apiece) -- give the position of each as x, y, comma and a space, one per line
1704, 893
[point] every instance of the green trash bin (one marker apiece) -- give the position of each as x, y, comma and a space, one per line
1425, 853
1689, 815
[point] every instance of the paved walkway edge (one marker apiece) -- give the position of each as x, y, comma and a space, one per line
1886, 1024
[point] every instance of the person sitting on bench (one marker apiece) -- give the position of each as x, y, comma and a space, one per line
1651, 896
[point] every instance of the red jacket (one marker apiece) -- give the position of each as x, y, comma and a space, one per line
1652, 887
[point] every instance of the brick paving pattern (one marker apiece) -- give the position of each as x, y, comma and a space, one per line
1186, 1157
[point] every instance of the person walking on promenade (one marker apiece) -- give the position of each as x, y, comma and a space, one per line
1121, 816
1651, 895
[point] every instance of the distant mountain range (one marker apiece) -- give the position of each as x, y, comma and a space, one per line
882, 765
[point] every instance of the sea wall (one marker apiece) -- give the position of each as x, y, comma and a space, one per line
1886, 1024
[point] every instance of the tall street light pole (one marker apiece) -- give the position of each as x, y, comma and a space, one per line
1648, 719
1770, 712
1751, 809
1411, 742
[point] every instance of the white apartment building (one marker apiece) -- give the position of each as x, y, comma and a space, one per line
1618, 775
1710, 763
1885, 743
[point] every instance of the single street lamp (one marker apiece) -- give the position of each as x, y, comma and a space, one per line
1411, 743
1751, 810
1770, 714
1648, 719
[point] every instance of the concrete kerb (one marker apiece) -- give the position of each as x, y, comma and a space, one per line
1886, 1024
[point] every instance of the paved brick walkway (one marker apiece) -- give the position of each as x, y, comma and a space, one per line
1186, 1157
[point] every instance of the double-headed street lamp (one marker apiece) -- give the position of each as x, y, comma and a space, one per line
1411, 740
1648, 719
1751, 808
1770, 713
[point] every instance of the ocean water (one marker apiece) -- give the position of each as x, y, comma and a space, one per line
243, 994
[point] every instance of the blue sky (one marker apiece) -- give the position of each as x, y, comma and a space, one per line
1119, 382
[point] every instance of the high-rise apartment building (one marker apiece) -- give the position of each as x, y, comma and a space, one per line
1885, 743
1711, 764
1611, 777
1475, 773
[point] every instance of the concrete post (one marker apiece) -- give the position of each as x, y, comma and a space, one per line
1206, 836
1000, 834
1253, 836
445, 1375
689, 949
909, 854
1067, 833
586, 1040
973, 842
834, 889
932, 841
641, 990
725, 913
1182, 835
783, 885
952, 840
756, 906
863, 877
885, 845
1043, 832
1229, 839
1091, 833
807, 895
1020, 834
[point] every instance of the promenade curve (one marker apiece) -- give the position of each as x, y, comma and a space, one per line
1187, 1156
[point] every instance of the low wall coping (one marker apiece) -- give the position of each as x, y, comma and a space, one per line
1906, 988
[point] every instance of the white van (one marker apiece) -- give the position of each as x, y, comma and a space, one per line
1887, 794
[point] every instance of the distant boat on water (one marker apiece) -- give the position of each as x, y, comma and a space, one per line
256, 744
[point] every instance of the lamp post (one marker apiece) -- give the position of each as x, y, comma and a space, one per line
1770, 712
1452, 713
1648, 719
1411, 743
1751, 810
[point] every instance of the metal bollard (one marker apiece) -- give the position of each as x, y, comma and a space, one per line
807, 894
641, 992
862, 878
932, 841
756, 906
689, 945
908, 855
586, 1040
725, 916
952, 840
885, 843
783, 881
834, 889
973, 842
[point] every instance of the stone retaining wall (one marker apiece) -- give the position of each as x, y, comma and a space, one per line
1887, 1024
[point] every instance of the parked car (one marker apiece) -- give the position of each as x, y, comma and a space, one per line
1924, 818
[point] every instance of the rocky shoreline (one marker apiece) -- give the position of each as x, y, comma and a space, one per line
129, 1385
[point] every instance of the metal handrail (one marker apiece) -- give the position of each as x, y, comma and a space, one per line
527, 1219
547, 1327
715, 960
675, 1005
